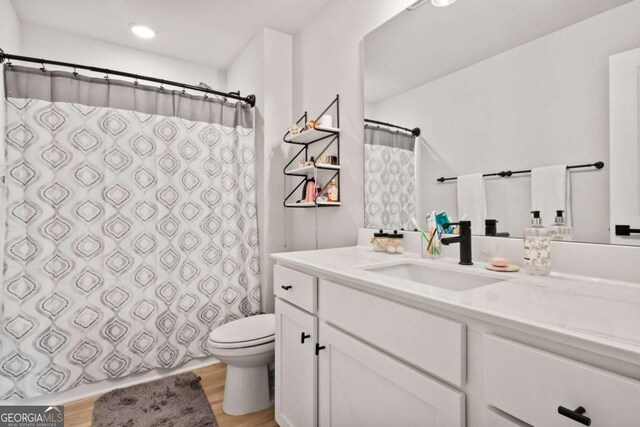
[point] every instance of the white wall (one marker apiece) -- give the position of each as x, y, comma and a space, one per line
9, 28
52, 44
543, 103
328, 61
264, 69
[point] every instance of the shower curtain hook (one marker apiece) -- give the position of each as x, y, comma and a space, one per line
184, 89
135, 81
75, 71
161, 85
206, 94
106, 76
42, 63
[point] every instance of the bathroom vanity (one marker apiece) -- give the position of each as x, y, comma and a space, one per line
372, 339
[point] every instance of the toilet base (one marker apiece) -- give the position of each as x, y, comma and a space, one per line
246, 390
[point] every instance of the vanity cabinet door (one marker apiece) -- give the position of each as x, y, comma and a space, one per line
296, 371
360, 386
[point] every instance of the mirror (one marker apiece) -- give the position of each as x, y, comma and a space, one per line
518, 92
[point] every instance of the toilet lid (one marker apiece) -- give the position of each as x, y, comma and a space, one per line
245, 332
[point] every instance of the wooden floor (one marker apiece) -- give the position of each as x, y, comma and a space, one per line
78, 414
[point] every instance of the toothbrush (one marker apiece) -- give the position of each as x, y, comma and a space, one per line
415, 224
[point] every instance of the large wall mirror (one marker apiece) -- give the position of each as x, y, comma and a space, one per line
491, 109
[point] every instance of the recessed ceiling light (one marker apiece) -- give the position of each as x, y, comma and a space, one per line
142, 31
442, 3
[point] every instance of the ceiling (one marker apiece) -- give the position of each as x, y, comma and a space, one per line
419, 46
212, 32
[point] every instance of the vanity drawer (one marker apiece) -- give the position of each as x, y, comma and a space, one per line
531, 384
432, 343
298, 288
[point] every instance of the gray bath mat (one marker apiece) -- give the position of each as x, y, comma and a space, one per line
169, 402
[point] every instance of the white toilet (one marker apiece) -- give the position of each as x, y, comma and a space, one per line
247, 346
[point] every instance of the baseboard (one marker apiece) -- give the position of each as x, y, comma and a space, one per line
89, 390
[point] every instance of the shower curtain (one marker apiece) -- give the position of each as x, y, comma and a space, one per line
389, 178
130, 228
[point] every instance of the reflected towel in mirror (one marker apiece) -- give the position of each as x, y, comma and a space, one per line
472, 204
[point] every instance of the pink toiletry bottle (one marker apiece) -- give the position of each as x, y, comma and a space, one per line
311, 190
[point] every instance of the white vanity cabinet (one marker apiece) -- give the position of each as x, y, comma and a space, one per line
369, 360
336, 371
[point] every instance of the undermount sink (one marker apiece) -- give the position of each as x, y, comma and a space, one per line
446, 279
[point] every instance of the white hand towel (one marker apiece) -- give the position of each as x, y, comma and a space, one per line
551, 192
472, 204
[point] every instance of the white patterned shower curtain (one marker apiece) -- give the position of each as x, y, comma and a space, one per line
130, 228
389, 179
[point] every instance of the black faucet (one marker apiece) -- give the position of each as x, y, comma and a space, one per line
464, 239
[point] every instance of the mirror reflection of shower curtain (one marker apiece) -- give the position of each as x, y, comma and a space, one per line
131, 228
389, 178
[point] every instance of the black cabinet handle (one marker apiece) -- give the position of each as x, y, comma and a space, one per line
286, 288
304, 337
576, 414
318, 348
626, 230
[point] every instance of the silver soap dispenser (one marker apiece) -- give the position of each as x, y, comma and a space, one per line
560, 229
537, 247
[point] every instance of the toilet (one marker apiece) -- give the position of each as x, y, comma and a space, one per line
247, 346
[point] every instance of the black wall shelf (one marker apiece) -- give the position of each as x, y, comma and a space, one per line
331, 137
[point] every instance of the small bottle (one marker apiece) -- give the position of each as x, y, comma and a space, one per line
310, 190
332, 191
537, 247
560, 229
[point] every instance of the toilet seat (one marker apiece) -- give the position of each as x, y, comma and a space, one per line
246, 332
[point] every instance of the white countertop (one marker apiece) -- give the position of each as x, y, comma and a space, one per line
595, 314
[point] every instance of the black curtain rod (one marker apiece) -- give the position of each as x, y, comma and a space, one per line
505, 174
414, 131
250, 99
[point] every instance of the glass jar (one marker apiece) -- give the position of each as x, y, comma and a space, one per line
395, 243
379, 241
432, 248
